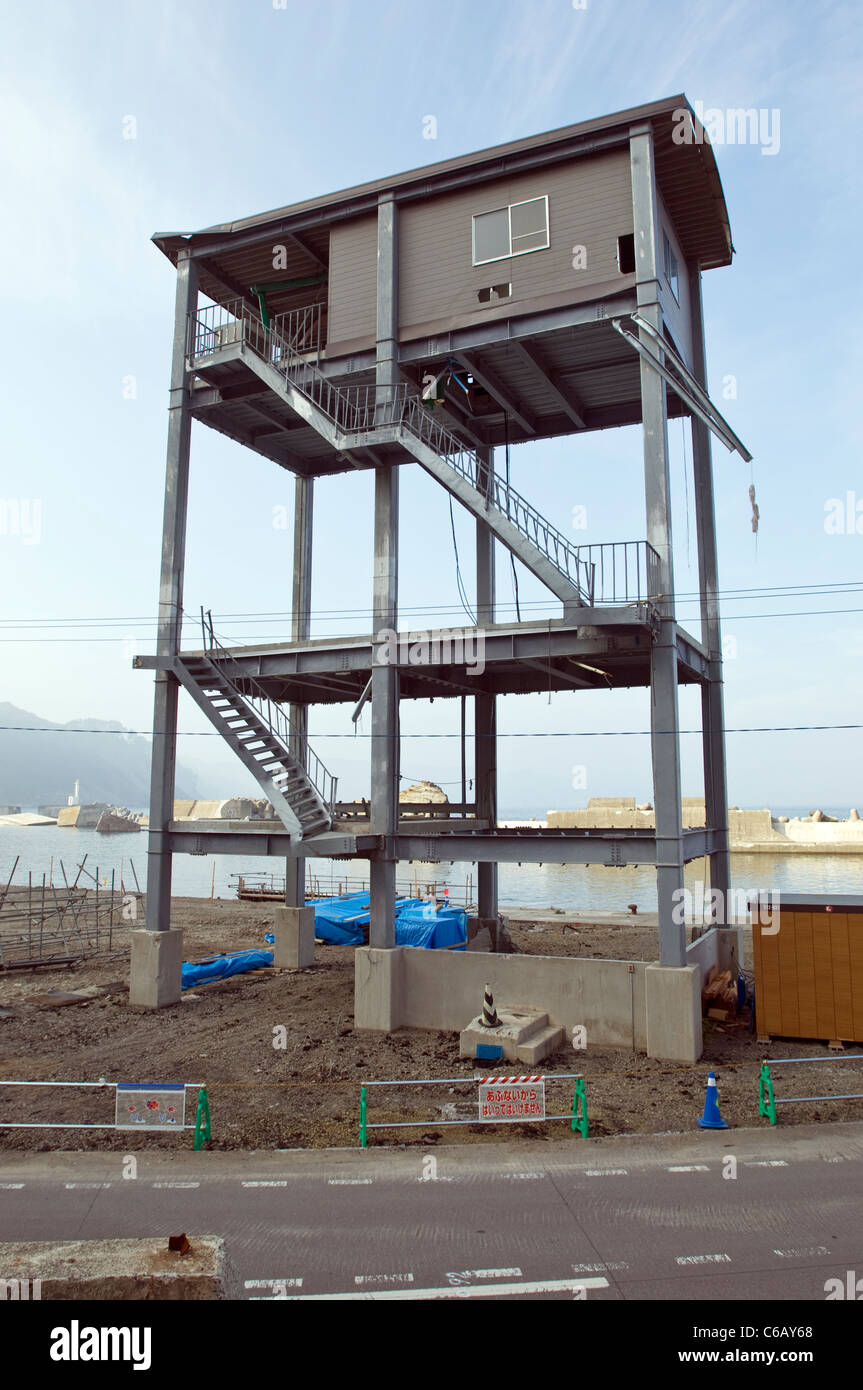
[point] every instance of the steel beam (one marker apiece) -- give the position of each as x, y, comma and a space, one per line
497, 390
485, 706
664, 718
712, 703
385, 678
163, 765
301, 605
479, 847
554, 383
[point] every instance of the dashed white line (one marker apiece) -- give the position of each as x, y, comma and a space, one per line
805, 1252
10, 1186
462, 1291
281, 1182
703, 1259
383, 1278
515, 1177
600, 1267
465, 1276
176, 1184
689, 1168
278, 1289
765, 1163
606, 1172
70, 1185
349, 1182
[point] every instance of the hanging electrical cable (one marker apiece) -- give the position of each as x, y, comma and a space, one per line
462, 593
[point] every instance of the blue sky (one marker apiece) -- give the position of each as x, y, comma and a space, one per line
240, 107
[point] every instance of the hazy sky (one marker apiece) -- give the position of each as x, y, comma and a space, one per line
237, 106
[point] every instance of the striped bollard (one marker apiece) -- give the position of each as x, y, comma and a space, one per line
489, 1012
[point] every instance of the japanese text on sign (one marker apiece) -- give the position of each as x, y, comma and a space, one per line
512, 1101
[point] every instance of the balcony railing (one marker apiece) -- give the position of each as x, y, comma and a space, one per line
615, 572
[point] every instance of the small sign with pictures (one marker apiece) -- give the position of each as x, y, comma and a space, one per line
150, 1106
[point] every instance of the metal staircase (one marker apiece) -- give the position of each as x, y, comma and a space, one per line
300, 788
352, 418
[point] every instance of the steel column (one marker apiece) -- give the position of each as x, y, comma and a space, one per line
712, 702
385, 679
664, 719
164, 760
485, 706
295, 868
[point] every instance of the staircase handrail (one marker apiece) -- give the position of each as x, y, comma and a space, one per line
271, 714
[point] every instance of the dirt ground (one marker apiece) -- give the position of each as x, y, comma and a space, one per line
307, 1093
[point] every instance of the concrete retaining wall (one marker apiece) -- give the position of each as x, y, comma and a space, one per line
407, 988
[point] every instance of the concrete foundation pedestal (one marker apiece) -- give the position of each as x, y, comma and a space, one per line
482, 933
294, 931
156, 970
672, 996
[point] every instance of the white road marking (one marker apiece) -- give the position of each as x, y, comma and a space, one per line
176, 1184
464, 1276
515, 1176
689, 1168
803, 1253
10, 1186
282, 1285
600, 1267
703, 1259
282, 1182
349, 1182
70, 1185
383, 1278
463, 1291
606, 1172
765, 1163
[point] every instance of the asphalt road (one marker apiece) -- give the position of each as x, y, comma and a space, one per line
645, 1218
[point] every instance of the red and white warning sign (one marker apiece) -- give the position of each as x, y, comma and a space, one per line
506, 1099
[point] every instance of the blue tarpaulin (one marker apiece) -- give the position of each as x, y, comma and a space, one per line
198, 972
340, 921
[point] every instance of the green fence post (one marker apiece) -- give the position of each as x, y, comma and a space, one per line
579, 1101
202, 1119
766, 1102
363, 1117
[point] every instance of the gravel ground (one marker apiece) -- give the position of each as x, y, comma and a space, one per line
307, 1093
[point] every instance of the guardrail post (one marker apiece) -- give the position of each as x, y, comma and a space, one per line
766, 1102
202, 1120
579, 1102
363, 1144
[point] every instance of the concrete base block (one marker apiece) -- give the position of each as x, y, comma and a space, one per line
120, 1269
294, 931
525, 1035
378, 988
672, 996
543, 1044
156, 969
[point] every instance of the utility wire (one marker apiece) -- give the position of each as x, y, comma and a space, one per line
574, 733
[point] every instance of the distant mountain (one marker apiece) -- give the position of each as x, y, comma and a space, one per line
41, 768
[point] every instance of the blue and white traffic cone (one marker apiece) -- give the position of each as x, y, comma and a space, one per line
711, 1118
